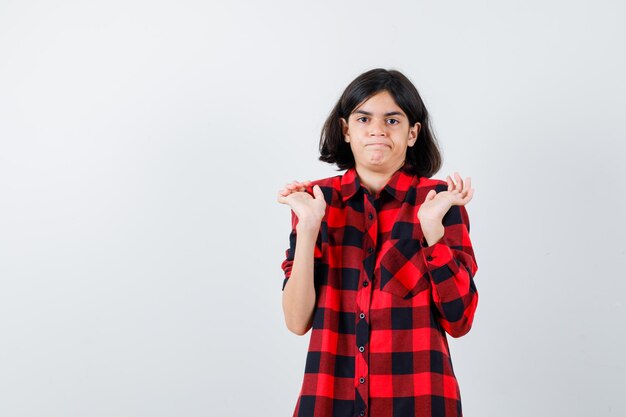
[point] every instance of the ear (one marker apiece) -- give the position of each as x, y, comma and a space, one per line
344, 127
414, 133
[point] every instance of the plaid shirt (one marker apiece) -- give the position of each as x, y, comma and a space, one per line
384, 302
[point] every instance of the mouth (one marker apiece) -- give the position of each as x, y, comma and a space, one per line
377, 144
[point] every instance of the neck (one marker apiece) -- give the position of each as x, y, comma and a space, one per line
374, 180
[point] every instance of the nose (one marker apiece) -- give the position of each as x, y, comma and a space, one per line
377, 128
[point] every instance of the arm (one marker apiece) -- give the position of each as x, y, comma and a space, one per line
451, 266
298, 286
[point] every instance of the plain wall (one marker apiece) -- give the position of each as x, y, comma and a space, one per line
143, 144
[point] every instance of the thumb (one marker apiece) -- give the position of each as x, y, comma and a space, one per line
317, 191
431, 194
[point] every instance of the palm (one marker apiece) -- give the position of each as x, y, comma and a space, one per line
436, 205
302, 203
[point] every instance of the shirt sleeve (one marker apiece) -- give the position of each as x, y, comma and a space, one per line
291, 250
451, 267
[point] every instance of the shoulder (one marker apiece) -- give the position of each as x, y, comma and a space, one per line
329, 186
327, 182
432, 183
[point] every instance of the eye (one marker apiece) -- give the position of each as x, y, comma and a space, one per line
393, 121
362, 119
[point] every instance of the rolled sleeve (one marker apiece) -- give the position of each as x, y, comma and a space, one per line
287, 263
451, 265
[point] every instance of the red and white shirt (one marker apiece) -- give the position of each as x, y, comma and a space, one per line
384, 302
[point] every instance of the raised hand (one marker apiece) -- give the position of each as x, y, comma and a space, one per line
436, 205
309, 209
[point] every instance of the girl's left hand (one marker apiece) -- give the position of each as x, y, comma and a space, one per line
436, 205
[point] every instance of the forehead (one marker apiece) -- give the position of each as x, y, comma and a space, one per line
381, 102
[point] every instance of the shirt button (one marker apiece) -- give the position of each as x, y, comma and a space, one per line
362, 380
365, 283
361, 349
362, 315
370, 216
370, 250
362, 413
429, 258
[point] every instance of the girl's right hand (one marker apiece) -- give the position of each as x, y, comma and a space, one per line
309, 209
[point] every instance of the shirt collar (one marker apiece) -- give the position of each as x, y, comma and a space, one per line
397, 186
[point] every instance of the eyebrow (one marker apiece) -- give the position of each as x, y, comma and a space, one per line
391, 113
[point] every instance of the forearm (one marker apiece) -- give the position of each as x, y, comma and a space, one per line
451, 271
299, 293
453, 289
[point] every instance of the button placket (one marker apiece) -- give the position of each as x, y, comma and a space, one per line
370, 235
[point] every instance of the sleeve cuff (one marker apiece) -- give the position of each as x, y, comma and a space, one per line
436, 255
439, 261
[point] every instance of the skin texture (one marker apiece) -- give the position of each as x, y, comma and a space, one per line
379, 133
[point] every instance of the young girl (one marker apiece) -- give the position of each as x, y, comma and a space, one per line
383, 267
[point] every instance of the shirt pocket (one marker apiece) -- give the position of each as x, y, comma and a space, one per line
402, 271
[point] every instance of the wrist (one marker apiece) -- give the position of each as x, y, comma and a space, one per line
308, 227
432, 233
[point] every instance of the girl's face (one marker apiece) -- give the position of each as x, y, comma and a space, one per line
378, 132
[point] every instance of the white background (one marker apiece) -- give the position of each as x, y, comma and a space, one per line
143, 143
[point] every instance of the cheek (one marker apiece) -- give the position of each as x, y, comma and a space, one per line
351, 129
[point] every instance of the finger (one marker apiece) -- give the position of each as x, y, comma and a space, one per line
295, 182
455, 182
317, 192
290, 188
459, 182
470, 194
295, 187
467, 186
450, 183
466, 199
